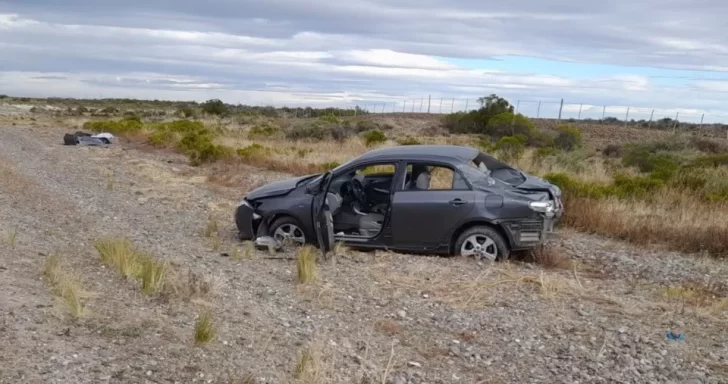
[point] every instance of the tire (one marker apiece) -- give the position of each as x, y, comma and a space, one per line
286, 223
496, 248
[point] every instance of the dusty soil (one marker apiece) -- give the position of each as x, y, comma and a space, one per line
375, 317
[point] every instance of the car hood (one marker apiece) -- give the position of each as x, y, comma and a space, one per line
276, 188
537, 184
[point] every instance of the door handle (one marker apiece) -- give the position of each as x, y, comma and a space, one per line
457, 202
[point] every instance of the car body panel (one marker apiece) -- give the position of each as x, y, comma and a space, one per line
427, 220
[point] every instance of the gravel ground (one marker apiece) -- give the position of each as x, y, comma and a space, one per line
374, 317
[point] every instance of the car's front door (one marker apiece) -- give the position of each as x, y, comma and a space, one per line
423, 215
322, 220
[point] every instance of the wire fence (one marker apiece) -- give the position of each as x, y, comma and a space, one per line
558, 110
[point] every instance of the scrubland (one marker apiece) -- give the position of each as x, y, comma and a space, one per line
121, 264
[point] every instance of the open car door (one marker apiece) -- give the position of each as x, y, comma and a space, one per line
323, 221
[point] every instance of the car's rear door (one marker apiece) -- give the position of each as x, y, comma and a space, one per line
424, 218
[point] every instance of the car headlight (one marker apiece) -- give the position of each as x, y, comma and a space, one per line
542, 206
247, 204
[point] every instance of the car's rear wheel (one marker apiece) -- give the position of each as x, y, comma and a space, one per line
288, 231
482, 243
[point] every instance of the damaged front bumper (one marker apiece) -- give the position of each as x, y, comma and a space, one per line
534, 231
247, 221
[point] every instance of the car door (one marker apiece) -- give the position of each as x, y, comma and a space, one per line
423, 218
323, 222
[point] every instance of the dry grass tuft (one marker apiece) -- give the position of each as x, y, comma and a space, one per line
133, 263
11, 238
152, 275
211, 228
551, 257
65, 286
306, 264
311, 367
387, 327
205, 328
121, 255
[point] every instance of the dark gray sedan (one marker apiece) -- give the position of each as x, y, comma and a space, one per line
416, 198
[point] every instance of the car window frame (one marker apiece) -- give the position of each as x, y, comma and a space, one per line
367, 163
436, 163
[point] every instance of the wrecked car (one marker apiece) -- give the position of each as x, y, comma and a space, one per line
417, 198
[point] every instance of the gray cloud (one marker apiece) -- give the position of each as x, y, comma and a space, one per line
362, 51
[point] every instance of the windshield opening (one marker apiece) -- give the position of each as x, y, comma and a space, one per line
497, 169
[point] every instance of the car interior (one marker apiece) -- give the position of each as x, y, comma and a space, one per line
359, 200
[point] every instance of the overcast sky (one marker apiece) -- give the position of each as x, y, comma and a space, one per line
666, 54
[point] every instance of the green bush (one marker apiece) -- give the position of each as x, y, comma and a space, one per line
187, 113
365, 125
329, 119
508, 124
511, 148
200, 149
265, 129
116, 127
708, 146
252, 150
612, 150
543, 153
310, 130
373, 137
710, 161
408, 140
215, 107
568, 137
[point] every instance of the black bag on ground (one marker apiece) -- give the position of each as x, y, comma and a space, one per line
69, 139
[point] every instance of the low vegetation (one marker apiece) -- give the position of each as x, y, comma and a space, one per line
671, 190
306, 264
133, 264
65, 286
205, 328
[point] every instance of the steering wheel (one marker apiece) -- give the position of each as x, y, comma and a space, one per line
357, 190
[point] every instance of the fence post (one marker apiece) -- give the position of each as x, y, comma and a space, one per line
413, 106
404, 106
674, 125
429, 102
440, 104
452, 106
561, 107
356, 107
626, 117
604, 110
538, 111
700, 127
466, 105
649, 125
580, 105
421, 100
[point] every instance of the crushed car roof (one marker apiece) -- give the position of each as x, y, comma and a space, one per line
423, 151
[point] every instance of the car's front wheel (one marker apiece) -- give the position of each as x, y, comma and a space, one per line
482, 243
288, 231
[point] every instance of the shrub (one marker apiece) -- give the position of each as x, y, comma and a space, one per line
568, 137
408, 140
329, 119
118, 127
708, 146
710, 161
205, 329
543, 153
365, 125
187, 112
612, 150
511, 147
311, 130
373, 137
508, 124
215, 107
200, 149
263, 130
252, 150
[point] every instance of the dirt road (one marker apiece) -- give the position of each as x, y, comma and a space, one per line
370, 317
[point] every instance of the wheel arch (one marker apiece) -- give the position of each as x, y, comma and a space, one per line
274, 216
475, 223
